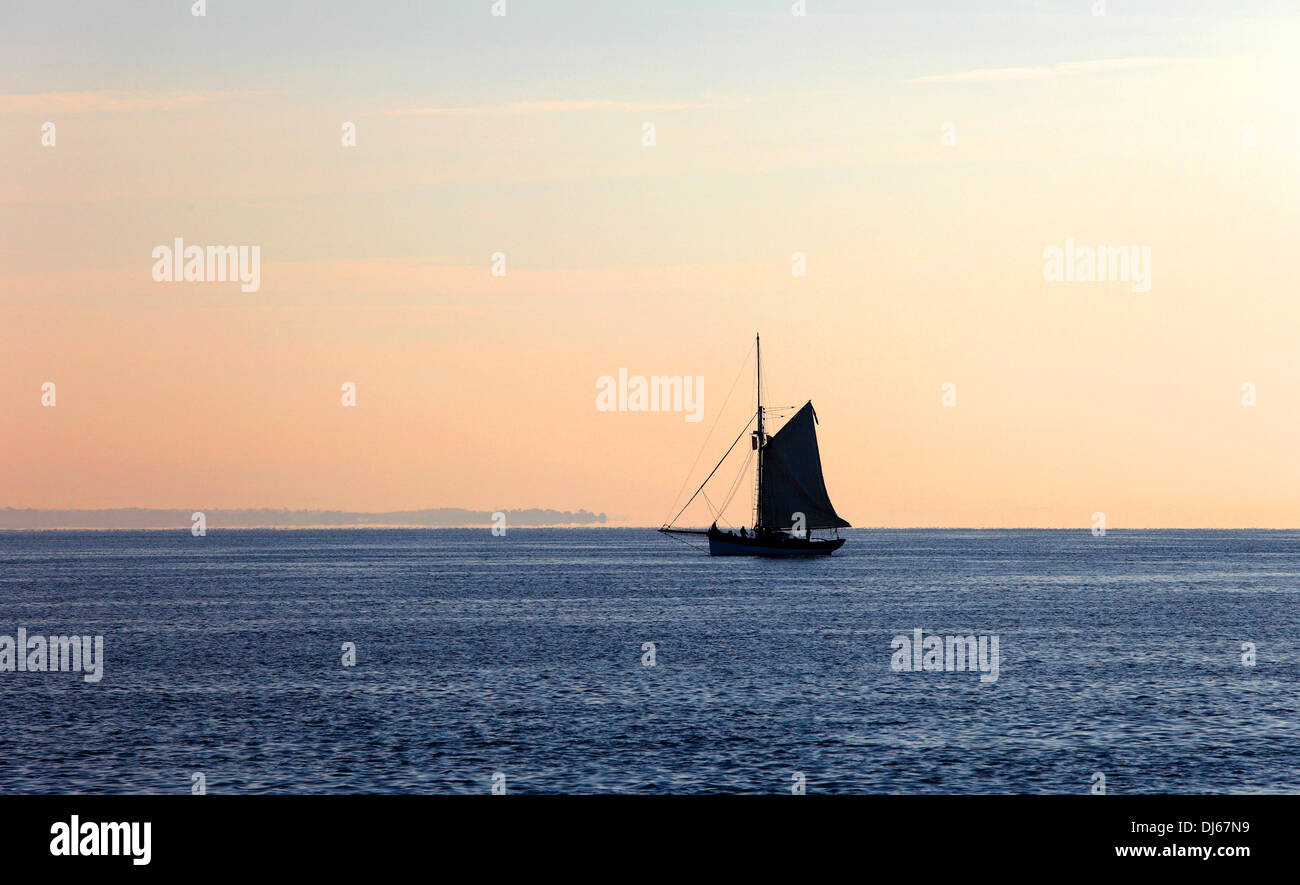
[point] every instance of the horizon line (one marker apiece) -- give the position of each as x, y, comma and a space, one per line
568, 526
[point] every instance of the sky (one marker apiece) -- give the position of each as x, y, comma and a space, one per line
921, 157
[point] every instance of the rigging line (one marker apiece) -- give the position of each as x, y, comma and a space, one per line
722, 511
709, 437
735, 486
711, 472
726, 500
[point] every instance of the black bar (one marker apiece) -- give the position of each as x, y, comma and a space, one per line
530, 834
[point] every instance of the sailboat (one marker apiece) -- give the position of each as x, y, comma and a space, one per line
791, 500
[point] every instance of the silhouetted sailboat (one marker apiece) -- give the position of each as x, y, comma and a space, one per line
791, 499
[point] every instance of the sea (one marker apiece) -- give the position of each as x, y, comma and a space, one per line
618, 660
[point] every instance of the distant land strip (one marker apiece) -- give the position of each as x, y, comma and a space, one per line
268, 518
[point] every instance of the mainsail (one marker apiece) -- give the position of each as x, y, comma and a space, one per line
792, 479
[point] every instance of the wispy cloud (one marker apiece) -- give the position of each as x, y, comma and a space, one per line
105, 100
549, 107
1049, 72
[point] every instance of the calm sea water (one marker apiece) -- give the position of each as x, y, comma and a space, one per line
523, 655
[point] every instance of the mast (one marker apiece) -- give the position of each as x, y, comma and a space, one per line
758, 364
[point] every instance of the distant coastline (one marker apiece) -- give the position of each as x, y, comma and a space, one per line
270, 518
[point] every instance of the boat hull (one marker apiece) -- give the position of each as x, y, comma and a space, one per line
732, 545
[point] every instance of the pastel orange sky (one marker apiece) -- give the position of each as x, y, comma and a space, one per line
774, 135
